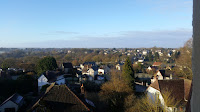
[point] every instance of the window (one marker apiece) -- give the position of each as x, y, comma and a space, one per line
9, 109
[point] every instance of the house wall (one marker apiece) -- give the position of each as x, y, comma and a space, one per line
118, 67
100, 71
66, 70
196, 57
160, 77
42, 80
149, 68
9, 104
14, 77
152, 93
81, 66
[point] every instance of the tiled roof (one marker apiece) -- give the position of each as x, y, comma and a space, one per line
156, 64
61, 99
175, 87
187, 84
155, 85
179, 88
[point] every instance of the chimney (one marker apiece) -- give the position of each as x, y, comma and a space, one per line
82, 90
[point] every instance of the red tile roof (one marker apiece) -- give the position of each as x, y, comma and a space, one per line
156, 64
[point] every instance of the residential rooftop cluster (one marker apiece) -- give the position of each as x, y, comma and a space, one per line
66, 88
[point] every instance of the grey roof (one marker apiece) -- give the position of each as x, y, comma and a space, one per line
143, 75
16, 98
89, 63
67, 65
95, 68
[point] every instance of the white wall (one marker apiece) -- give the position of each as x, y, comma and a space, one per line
153, 94
9, 104
101, 71
42, 80
160, 77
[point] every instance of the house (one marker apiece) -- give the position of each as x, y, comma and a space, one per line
42, 80
47, 78
176, 89
59, 98
160, 53
3, 74
119, 66
143, 78
91, 72
170, 54
145, 52
157, 64
12, 104
161, 75
99, 79
103, 70
87, 65
149, 68
67, 67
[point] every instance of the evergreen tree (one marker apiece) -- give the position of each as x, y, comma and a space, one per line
46, 63
156, 56
150, 56
128, 73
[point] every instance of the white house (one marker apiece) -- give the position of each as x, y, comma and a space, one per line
169, 55
92, 72
149, 68
81, 66
12, 104
144, 52
60, 80
160, 74
160, 53
119, 66
155, 95
42, 80
177, 89
101, 71
140, 60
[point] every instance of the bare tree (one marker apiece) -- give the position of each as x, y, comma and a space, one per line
184, 61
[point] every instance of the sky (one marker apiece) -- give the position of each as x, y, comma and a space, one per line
95, 23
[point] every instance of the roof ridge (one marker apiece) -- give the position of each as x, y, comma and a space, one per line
78, 99
49, 88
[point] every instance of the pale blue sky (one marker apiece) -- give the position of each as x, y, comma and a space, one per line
95, 23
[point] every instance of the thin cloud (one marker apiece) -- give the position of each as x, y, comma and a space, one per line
130, 39
166, 6
65, 32
60, 33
